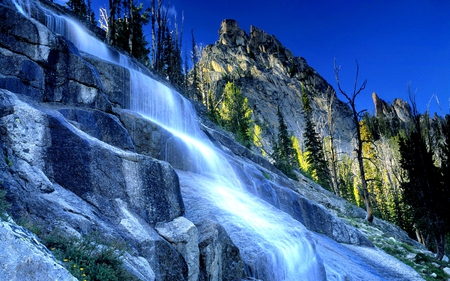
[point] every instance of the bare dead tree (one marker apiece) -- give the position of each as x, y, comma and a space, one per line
356, 115
332, 155
103, 19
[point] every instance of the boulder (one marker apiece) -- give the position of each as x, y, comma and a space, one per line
115, 81
183, 235
100, 174
447, 270
151, 139
91, 169
219, 257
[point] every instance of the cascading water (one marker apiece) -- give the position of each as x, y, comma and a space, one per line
282, 244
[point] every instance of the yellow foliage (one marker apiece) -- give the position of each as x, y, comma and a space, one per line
300, 154
257, 137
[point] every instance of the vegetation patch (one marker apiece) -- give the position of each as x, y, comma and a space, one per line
4, 205
88, 258
423, 262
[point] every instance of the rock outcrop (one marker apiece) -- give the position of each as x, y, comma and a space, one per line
270, 76
398, 109
25, 258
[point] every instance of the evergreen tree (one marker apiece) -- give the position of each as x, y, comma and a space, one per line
425, 189
90, 15
284, 153
82, 9
211, 110
317, 166
195, 93
113, 14
127, 31
235, 114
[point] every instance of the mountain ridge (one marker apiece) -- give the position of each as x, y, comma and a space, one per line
269, 75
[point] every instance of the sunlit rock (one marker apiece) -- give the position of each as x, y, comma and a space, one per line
183, 235
270, 76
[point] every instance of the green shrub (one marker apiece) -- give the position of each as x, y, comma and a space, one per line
89, 258
266, 175
4, 205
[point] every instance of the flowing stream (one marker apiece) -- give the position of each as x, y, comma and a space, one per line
282, 246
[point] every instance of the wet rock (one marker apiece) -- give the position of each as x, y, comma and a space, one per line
45, 66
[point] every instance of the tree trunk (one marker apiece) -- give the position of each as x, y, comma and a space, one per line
334, 183
359, 152
439, 240
359, 155
419, 235
111, 25
131, 27
153, 19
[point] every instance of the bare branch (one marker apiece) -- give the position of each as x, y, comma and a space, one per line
336, 75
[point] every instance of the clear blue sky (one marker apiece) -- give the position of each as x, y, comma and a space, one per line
395, 42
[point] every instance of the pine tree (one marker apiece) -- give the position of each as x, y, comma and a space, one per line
130, 35
113, 13
235, 114
194, 58
317, 167
284, 153
79, 7
426, 188
90, 15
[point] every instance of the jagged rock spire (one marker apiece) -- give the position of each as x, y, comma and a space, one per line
230, 34
399, 108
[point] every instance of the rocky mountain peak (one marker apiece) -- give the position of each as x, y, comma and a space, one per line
230, 34
269, 75
398, 109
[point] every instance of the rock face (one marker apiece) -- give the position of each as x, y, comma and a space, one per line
269, 75
24, 258
73, 157
398, 109
183, 235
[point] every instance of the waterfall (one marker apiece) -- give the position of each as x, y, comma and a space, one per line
284, 247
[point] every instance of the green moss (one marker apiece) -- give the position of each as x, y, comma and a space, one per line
8, 161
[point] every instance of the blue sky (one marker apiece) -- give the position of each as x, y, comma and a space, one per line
395, 42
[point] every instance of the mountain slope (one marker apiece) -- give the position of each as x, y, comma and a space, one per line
269, 75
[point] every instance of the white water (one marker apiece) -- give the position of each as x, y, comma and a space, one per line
282, 244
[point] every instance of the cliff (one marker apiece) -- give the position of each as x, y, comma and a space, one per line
79, 157
269, 75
